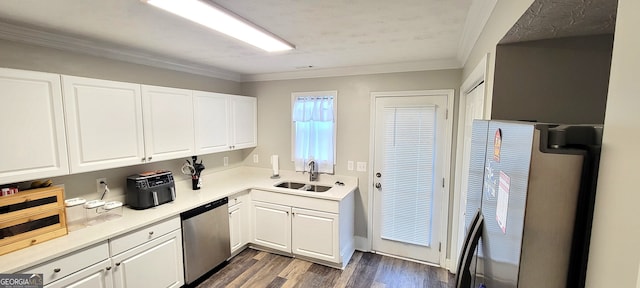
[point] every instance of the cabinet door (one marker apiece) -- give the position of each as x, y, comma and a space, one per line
315, 234
271, 225
211, 113
235, 227
168, 123
104, 123
157, 263
33, 141
244, 122
96, 276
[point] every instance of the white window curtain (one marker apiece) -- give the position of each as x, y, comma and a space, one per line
314, 123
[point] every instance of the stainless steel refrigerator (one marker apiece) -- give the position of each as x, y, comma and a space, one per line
534, 186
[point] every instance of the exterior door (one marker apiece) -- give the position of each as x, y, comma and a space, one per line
410, 138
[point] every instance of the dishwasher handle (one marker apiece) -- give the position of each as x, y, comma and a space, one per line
204, 208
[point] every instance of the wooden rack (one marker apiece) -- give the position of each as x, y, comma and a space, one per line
30, 217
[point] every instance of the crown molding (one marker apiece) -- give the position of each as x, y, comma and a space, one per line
425, 65
477, 17
34, 36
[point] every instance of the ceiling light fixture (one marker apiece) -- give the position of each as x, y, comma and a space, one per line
222, 20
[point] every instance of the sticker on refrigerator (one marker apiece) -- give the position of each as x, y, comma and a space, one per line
503, 201
497, 143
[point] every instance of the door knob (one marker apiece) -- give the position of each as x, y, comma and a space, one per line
378, 185
378, 175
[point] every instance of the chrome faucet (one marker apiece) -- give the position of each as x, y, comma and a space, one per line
313, 171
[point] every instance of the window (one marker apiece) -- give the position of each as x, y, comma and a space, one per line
314, 130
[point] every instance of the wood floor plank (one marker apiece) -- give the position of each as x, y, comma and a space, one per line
296, 268
235, 267
365, 271
348, 271
257, 269
277, 282
269, 271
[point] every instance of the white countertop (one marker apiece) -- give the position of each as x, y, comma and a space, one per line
215, 186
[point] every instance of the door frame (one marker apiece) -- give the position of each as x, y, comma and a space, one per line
447, 161
477, 76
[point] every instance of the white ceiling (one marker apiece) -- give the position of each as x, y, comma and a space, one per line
329, 34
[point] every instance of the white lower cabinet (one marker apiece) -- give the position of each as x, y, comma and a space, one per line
96, 276
157, 263
272, 225
315, 234
319, 230
239, 223
91, 264
149, 257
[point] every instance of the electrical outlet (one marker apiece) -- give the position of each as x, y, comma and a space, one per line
226, 161
99, 186
255, 158
362, 167
350, 165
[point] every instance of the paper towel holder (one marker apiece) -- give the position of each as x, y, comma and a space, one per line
275, 167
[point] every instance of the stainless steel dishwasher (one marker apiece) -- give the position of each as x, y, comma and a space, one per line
205, 237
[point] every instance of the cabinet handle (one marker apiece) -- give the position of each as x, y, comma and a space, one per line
149, 158
108, 268
56, 270
142, 159
118, 264
150, 233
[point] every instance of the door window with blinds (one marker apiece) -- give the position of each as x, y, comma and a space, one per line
409, 155
314, 130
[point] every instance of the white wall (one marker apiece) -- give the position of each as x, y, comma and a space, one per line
504, 15
615, 243
274, 118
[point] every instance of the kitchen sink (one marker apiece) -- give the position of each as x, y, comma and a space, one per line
303, 186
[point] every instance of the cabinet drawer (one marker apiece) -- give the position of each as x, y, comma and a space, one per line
142, 235
70, 263
238, 198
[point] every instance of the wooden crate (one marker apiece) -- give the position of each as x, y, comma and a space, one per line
30, 217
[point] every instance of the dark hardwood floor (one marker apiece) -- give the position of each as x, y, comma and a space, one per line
253, 268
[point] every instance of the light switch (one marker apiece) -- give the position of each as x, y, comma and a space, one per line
226, 161
350, 165
255, 158
362, 167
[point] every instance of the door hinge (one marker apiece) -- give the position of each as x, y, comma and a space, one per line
446, 114
439, 246
442, 182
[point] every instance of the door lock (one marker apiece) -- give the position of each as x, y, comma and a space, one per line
378, 185
378, 175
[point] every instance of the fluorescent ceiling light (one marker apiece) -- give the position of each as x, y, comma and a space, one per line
223, 21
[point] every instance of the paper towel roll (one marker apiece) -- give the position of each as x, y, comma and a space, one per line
275, 165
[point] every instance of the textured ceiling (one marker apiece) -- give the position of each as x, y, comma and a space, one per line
547, 19
327, 34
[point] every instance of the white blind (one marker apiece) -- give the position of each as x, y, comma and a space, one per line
407, 179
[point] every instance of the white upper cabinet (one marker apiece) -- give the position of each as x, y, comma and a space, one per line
33, 137
244, 122
104, 123
224, 122
168, 122
211, 122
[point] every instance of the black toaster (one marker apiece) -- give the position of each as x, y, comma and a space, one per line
150, 189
